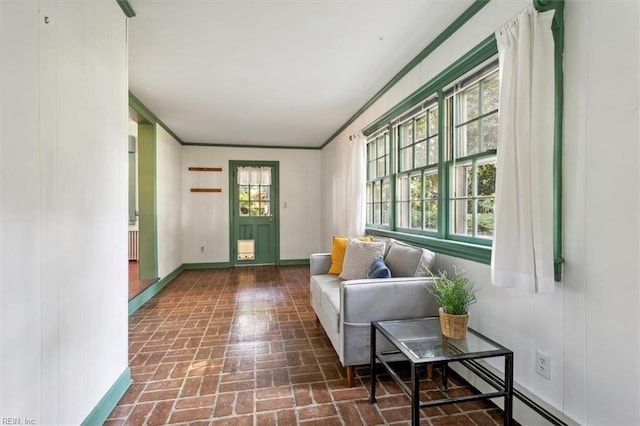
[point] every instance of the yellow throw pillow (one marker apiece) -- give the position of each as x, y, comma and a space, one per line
338, 249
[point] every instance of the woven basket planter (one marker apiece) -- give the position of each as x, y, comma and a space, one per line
453, 326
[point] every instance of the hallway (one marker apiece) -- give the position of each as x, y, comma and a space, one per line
242, 347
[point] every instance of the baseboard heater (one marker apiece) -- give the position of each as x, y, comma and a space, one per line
494, 380
133, 245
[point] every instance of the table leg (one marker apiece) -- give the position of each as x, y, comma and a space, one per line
415, 395
372, 360
508, 384
444, 386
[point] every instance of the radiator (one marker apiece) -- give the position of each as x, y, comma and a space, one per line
133, 245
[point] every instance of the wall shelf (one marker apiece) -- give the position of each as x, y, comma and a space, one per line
206, 190
205, 169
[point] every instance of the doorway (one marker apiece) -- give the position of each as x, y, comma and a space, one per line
143, 263
254, 225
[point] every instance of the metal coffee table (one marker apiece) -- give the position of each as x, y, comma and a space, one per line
420, 342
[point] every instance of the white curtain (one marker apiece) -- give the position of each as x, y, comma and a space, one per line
523, 233
356, 188
254, 176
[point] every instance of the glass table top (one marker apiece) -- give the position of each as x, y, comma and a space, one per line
421, 340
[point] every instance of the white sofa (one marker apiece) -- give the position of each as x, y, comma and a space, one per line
346, 308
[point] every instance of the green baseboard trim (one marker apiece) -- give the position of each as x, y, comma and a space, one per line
152, 290
294, 262
210, 265
109, 401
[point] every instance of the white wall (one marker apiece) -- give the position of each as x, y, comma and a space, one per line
169, 201
206, 215
63, 207
590, 326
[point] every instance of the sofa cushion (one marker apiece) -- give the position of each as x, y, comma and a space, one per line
388, 242
325, 293
379, 269
408, 261
338, 250
358, 259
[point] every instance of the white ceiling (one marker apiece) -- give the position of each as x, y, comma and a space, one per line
272, 73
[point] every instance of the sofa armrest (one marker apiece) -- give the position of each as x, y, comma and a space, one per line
319, 263
369, 300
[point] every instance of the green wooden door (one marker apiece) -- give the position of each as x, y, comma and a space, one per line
254, 213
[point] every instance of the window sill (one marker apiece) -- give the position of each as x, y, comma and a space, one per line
473, 252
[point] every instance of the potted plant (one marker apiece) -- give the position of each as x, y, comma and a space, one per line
453, 295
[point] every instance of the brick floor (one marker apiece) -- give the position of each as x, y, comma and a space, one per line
242, 347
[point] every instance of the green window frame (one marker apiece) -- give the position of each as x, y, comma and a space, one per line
444, 170
378, 197
472, 124
424, 188
417, 191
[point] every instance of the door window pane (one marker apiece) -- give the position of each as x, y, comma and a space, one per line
254, 191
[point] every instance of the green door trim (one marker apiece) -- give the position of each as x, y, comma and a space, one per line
275, 197
147, 199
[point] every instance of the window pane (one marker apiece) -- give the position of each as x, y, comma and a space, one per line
486, 179
463, 180
369, 213
376, 192
433, 150
265, 209
462, 218
490, 132
416, 187
386, 190
402, 189
421, 127
408, 132
244, 208
469, 140
490, 93
416, 214
386, 213
381, 167
369, 193
431, 215
402, 195
254, 192
469, 103
380, 147
406, 159
431, 186
372, 170
403, 214
376, 214
243, 192
402, 142
421, 154
265, 193
433, 122
485, 217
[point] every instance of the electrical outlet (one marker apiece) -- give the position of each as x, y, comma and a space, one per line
543, 365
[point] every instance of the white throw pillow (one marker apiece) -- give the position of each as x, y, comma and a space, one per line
358, 259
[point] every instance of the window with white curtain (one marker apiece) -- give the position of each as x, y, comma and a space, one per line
444, 164
254, 191
439, 156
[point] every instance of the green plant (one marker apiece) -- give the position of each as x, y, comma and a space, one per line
453, 294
